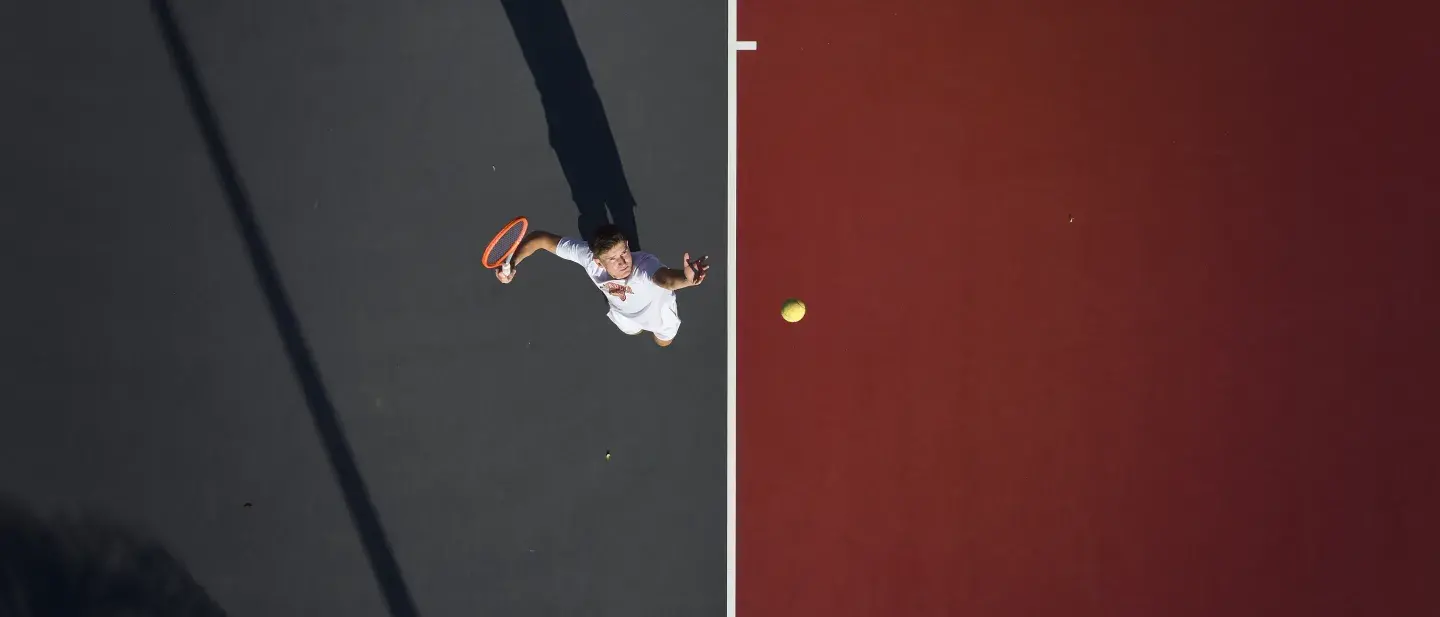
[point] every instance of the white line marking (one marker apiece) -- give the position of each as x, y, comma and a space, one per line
745, 45
730, 336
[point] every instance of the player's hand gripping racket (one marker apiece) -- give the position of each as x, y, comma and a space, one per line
501, 251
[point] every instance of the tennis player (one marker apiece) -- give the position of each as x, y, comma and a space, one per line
641, 290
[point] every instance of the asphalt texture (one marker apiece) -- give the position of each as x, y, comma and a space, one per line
244, 315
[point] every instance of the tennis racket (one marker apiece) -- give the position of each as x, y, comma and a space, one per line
501, 250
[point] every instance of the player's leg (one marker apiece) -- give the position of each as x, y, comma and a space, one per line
669, 324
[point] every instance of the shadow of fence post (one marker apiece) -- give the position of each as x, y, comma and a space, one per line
322, 411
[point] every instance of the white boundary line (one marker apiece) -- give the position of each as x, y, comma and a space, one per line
730, 332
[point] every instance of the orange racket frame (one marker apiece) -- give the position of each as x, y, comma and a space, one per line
504, 262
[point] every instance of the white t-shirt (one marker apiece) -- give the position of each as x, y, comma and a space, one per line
636, 297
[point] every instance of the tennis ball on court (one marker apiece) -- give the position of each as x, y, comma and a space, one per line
793, 310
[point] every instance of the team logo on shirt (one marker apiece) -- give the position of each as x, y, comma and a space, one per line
618, 290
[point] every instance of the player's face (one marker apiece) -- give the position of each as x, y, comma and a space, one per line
616, 261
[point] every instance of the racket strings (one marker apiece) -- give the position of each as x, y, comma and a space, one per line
509, 240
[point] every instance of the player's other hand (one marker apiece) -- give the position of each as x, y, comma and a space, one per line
696, 270
505, 275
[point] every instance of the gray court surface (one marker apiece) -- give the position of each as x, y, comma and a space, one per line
247, 320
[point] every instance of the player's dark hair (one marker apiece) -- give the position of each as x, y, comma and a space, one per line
605, 238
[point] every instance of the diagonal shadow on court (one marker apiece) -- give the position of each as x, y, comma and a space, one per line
579, 131
327, 423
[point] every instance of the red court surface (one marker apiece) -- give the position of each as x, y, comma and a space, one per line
1205, 395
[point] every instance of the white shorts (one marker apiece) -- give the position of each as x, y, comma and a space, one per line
669, 321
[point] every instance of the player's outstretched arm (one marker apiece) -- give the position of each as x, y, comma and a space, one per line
534, 241
693, 274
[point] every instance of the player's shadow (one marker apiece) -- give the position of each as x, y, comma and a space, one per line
88, 565
302, 362
579, 130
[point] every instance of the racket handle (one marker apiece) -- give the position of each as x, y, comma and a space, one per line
506, 268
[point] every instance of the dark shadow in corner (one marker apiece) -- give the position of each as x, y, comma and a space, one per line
322, 410
88, 565
579, 131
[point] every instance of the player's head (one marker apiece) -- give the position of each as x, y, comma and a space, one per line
612, 251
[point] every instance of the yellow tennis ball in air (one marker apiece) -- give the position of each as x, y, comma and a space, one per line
793, 310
